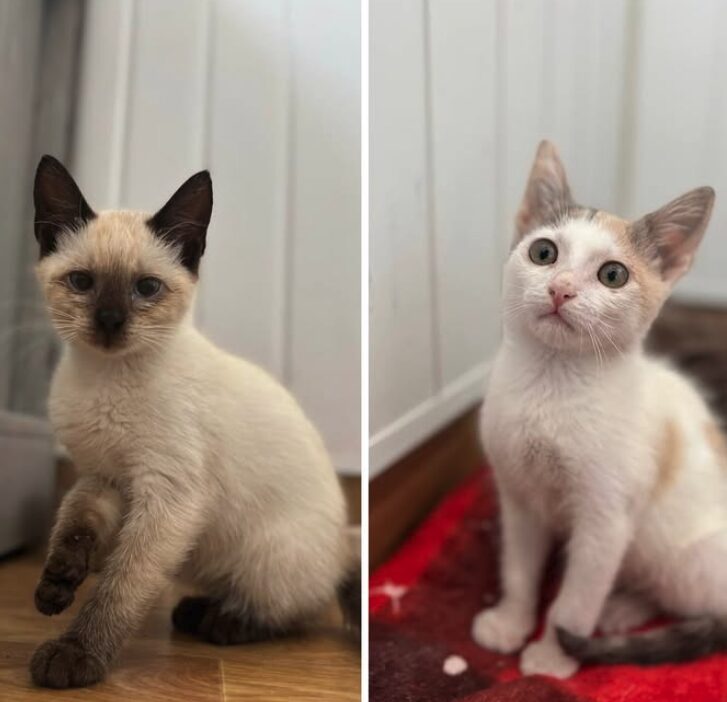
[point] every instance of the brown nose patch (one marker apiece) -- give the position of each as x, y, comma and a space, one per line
112, 308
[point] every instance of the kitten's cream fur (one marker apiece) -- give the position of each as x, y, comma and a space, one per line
192, 462
591, 440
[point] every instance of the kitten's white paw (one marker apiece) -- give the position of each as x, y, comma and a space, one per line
623, 612
500, 629
546, 658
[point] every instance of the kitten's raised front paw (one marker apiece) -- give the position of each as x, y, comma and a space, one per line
546, 658
500, 629
65, 663
65, 570
53, 596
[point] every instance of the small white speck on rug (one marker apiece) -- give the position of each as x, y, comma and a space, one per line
454, 665
393, 592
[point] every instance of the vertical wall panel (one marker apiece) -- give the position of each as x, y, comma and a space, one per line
324, 255
463, 135
166, 99
522, 95
563, 80
400, 287
680, 137
242, 301
100, 134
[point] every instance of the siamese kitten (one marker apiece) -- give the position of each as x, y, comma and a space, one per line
192, 462
595, 443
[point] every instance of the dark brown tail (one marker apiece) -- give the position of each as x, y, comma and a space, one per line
676, 643
349, 597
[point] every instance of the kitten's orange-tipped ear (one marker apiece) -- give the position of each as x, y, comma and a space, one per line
59, 204
670, 236
183, 221
547, 195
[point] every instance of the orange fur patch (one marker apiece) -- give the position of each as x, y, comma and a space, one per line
669, 459
653, 288
716, 440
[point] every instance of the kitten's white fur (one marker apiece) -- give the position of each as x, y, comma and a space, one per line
575, 424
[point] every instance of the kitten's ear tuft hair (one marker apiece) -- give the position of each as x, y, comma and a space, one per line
670, 236
183, 221
547, 195
59, 204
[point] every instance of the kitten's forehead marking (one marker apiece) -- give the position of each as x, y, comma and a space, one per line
585, 239
116, 239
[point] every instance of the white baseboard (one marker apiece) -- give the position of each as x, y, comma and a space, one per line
402, 435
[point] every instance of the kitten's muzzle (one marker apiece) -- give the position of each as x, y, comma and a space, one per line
110, 323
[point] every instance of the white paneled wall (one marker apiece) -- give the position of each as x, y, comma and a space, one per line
265, 93
403, 360
679, 131
461, 93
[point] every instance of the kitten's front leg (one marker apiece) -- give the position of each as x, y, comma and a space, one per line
160, 527
526, 540
88, 519
595, 551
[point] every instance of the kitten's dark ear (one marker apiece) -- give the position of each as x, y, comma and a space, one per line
59, 204
670, 236
547, 195
184, 219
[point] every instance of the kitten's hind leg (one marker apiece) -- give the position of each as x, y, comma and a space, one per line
624, 611
212, 620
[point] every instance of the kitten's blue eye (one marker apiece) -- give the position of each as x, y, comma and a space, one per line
543, 252
148, 287
613, 274
80, 281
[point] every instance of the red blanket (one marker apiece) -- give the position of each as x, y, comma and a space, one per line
422, 603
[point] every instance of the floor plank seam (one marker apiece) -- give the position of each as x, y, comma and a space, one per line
222, 680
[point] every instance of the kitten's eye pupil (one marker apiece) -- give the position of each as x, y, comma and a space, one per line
146, 287
543, 252
613, 274
80, 281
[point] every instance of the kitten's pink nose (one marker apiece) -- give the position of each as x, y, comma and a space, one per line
561, 291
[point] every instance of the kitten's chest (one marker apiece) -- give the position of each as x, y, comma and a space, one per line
101, 423
533, 435
537, 469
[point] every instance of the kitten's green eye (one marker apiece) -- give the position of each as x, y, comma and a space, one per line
80, 281
543, 252
148, 287
613, 274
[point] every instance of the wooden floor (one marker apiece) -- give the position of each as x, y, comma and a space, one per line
162, 665
402, 496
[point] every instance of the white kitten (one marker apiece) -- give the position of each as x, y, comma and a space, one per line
593, 442
192, 462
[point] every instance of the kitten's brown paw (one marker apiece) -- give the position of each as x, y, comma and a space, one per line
188, 614
53, 597
64, 571
65, 663
206, 618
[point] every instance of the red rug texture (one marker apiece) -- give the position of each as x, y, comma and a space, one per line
422, 602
